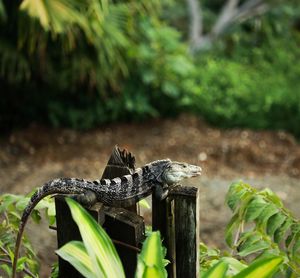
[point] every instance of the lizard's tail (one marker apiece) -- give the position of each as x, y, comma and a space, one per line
49, 188
36, 197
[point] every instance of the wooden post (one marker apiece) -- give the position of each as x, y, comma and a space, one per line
186, 214
163, 221
177, 218
67, 230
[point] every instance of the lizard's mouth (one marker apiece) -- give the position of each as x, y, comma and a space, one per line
197, 171
194, 172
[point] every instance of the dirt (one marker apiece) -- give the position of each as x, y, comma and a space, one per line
32, 156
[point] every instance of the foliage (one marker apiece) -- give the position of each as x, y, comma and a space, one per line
85, 63
256, 83
261, 231
61, 57
11, 207
274, 230
96, 255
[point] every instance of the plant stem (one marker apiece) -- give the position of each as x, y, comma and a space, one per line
25, 270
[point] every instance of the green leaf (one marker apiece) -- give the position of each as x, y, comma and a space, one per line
75, 253
272, 197
232, 225
261, 268
20, 263
22, 203
267, 212
280, 232
35, 215
275, 222
295, 229
151, 260
296, 245
217, 271
234, 265
255, 208
6, 200
104, 258
252, 248
235, 193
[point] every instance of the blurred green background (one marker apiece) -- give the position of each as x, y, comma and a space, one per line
83, 63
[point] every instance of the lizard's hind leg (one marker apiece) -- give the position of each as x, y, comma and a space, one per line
87, 199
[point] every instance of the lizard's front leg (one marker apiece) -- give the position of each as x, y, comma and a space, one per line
161, 192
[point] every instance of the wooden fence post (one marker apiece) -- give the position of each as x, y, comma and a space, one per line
177, 218
67, 230
186, 216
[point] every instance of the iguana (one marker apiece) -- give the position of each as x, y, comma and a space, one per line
123, 190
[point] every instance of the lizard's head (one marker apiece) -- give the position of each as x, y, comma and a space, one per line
177, 171
173, 172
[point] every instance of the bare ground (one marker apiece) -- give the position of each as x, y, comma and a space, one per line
32, 156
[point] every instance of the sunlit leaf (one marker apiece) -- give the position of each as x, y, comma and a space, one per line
151, 260
217, 271
75, 253
261, 268
105, 260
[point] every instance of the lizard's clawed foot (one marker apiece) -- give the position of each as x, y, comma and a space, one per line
161, 193
87, 199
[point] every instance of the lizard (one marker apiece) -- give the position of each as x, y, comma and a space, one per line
119, 191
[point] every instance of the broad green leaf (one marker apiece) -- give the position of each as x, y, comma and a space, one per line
6, 200
35, 215
104, 258
264, 268
295, 229
20, 263
235, 194
152, 250
234, 265
255, 208
75, 253
248, 238
280, 232
151, 259
296, 245
252, 248
267, 212
217, 271
275, 222
22, 203
273, 197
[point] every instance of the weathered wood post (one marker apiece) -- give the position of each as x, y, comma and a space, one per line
177, 218
121, 224
67, 230
186, 230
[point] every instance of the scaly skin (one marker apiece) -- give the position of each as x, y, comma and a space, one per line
115, 192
